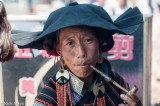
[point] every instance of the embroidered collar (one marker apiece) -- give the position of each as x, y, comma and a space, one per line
77, 85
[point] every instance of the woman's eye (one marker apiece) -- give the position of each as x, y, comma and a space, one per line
69, 43
88, 40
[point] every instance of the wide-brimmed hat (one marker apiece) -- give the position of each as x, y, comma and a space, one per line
76, 14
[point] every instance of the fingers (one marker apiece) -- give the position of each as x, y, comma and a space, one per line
132, 94
133, 90
132, 100
128, 100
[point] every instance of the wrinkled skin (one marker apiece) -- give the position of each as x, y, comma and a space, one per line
79, 47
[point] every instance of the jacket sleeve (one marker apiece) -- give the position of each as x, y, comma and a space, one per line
47, 96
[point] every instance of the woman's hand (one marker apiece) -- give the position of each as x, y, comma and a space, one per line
131, 99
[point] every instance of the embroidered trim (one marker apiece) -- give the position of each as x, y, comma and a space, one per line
61, 94
89, 104
76, 84
44, 102
38, 104
52, 81
47, 96
49, 88
69, 93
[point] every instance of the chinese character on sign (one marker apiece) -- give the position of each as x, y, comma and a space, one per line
27, 87
122, 49
23, 53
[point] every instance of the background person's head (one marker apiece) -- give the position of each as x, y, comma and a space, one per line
6, 45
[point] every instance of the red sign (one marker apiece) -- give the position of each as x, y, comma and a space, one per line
122, 49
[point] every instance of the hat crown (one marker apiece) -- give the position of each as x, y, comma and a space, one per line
77, 14
89, 15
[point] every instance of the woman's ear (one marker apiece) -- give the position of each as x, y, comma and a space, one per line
58, 50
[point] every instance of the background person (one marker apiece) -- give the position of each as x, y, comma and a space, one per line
7, 48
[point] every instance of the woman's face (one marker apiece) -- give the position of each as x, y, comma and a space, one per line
79, 48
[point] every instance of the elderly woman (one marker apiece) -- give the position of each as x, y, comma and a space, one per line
79, 34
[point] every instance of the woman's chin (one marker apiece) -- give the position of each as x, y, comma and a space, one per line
83, 72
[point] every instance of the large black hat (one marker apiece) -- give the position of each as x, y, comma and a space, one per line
76, 14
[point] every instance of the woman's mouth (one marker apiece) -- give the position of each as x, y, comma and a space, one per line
82, 65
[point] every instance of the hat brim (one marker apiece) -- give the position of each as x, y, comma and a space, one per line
127, 23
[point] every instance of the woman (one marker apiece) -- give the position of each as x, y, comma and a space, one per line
6, 44
79, 34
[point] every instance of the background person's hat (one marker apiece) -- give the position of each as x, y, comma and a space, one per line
82, 15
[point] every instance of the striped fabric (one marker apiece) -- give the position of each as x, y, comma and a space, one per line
48, 97
75, 97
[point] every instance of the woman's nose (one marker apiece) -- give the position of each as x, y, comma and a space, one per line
81, 53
